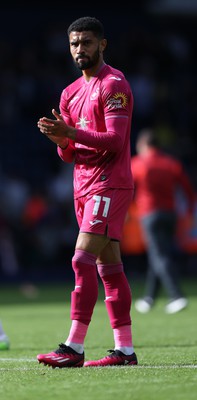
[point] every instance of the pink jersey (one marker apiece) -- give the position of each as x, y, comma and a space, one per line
101, 110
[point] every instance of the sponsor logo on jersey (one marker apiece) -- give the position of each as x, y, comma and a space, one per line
118, 100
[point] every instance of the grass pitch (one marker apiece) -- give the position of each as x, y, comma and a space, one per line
166, 346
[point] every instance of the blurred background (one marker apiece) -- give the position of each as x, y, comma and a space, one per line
154, 43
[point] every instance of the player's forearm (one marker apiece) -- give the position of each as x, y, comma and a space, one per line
71, 133
101, 140
112, 140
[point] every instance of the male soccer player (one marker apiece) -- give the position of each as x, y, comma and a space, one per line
93, 130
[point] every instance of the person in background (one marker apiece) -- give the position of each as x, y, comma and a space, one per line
157, 177
4, 340
93, 131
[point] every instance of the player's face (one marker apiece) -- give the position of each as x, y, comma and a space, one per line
85, 49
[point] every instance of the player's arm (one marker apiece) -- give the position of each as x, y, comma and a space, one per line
59, 132
117, 103
116, 121
111, 140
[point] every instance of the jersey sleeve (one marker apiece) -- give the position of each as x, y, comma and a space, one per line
64, 109
117, 102
68, 154
117, 97
111, 140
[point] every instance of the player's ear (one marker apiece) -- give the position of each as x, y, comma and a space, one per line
103, 44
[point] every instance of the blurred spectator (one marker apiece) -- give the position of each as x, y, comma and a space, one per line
14, 192
8, 257
157, 178
14, 196
143, 85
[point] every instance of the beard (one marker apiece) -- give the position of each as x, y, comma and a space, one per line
88, 62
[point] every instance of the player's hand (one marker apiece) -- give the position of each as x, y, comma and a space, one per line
54, 129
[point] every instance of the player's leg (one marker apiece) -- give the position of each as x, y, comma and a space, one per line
84, 295
96, 219
152, 286
118, 304
83, 299
117, 290
160, 230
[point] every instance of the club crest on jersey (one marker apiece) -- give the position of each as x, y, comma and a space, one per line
118, 100
95, 94
83, 122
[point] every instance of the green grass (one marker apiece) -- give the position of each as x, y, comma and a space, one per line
166, 346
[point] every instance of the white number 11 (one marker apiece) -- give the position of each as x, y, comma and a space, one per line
98, 200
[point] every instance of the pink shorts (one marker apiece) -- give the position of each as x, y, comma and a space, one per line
103, 212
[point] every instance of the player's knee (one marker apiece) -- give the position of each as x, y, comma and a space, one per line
82, 259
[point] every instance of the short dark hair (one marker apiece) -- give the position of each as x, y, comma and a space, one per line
87, 24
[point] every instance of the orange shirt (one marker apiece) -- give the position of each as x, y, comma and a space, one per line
156, 178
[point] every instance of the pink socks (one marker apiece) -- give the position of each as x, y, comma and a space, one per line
118, 294
118, 303
84, 297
